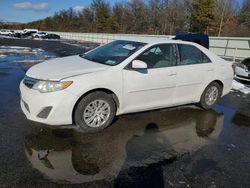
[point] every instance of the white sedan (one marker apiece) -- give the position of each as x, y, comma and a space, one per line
5, 32
123, 76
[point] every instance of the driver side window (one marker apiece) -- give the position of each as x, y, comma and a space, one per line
158, 56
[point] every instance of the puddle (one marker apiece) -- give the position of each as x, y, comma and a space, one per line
4, 70
138, 143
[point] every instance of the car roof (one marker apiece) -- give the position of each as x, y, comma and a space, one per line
155, 40
31, 30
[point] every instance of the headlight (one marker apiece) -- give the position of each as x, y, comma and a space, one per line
50, 86
241, 65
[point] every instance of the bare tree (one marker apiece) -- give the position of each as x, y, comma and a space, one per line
215, 17
224, 10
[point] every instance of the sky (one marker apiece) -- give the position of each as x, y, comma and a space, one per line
30, 10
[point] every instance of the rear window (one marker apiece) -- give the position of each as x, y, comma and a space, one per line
191, 55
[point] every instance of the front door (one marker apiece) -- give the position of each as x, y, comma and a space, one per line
150, 88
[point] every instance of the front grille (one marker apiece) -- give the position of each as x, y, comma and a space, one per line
244, 76
29, 82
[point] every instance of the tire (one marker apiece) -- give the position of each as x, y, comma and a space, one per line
95, 112
204, 102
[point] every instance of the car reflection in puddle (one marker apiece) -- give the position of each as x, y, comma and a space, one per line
133, 142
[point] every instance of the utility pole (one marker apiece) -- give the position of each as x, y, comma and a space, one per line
222, 18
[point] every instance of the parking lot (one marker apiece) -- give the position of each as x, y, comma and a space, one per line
175, 147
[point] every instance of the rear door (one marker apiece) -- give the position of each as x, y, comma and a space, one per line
193, 71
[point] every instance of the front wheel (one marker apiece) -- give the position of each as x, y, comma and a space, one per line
95, 112
211, 95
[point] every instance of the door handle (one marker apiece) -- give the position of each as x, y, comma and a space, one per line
210, 69
172, 74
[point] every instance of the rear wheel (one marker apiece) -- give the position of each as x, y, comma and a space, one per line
95, 111
211, 95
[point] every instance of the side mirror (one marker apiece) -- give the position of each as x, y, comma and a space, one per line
138, 64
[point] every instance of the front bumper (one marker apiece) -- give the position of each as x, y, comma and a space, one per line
240, 77
242, 74
53, 108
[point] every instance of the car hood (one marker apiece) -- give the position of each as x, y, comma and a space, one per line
60, 68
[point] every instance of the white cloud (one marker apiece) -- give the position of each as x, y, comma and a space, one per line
78, 8
24, 5
41, 6
29, 6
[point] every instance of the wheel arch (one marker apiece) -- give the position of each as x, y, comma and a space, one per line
206, 85
108, 91
219, 82
202, 102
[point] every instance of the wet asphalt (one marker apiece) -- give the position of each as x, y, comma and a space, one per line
174, 147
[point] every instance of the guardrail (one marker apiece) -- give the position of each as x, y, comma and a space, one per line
230, 47
227, 47
103, 37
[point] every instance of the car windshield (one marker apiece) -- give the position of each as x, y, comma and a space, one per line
113, 53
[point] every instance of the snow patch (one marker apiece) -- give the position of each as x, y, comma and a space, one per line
240, 87
29, 61
24, 56
36, 50
2, 56
14, 49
